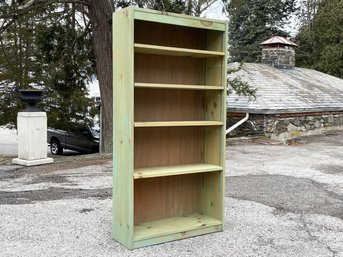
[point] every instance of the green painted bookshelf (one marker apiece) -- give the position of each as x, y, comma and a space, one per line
169, 91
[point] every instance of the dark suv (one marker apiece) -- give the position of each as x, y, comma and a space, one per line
78, 137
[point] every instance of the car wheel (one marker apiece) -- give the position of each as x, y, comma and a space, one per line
55, 147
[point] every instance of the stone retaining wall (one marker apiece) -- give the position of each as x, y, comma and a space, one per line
286, 126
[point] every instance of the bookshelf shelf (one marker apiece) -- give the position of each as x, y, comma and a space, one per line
175, 170
177, 124
175, 51
176, 86
192, 224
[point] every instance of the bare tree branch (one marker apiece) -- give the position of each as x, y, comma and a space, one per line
208, 4
111, 4
31, 5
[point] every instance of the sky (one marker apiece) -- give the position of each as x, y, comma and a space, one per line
93, 87
215, 11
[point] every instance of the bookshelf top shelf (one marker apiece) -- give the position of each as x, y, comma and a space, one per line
178, 19
175, 51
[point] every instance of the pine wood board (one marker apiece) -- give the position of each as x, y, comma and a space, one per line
174, 170
178, 86
173, 225
177, 124
175, 51
179, 20
122, 221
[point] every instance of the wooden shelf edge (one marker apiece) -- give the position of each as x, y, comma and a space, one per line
179, 19
176, 124
177, 236
175, 225
175, 51
177, 86
174, 170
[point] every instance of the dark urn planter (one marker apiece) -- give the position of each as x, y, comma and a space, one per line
31, 97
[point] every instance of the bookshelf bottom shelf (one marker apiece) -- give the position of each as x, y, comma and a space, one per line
175, 228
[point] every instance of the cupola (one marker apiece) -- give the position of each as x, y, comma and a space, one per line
279, 52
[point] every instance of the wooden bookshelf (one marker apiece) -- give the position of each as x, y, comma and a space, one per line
169, 95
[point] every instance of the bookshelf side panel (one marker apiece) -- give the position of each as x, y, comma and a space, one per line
123, 127
211, 193
214, 148
223, 115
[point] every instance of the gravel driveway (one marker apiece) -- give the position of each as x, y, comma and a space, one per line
281, 200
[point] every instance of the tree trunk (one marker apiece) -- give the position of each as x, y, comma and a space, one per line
100, 12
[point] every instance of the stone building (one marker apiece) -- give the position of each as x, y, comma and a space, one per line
290, 101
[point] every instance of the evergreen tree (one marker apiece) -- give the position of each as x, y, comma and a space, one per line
47, 49
321, 41
307, 11
252, 22
16, 61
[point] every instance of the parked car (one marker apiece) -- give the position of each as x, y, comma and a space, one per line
77, 137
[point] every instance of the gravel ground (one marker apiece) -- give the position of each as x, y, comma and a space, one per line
281, 200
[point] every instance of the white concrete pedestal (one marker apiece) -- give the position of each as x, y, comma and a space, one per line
32, 136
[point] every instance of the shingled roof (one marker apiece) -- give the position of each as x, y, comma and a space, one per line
287, 90
278, 40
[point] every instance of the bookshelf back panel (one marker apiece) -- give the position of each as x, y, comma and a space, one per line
177, 36
165, 146
169, 69
214, 40
165, 197
168, 35
168, 105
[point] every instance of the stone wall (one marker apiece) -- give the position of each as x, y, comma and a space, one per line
286, 126
279, 57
